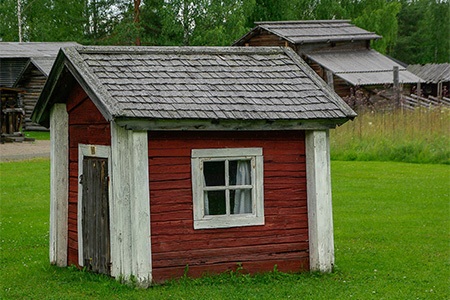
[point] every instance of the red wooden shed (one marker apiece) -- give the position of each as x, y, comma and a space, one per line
167, 159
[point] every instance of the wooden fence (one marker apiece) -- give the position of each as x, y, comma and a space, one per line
413, 101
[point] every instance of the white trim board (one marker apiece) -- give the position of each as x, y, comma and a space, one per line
59, 184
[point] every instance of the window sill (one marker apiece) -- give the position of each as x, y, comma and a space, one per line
213, 222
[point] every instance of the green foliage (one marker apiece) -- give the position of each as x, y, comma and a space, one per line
390, 225
417, 137
413, 31
424, 32
380, 17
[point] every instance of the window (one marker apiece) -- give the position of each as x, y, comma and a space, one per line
227, 186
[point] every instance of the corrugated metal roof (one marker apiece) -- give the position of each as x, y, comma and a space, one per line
362, 67
232, 83
33, 49
432, 73
315, 31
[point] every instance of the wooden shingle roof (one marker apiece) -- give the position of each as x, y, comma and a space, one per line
313, 31
197, 83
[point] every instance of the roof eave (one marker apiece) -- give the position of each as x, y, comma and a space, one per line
346, 110
144, 124
69, 59
41, 113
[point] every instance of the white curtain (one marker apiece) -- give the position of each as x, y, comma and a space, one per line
242, 198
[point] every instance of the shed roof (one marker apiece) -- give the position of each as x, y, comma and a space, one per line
432, 73
197, 83
362, 67
313, 31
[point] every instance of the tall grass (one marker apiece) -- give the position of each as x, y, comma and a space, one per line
420, 136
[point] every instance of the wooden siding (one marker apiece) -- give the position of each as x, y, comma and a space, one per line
333, 46
282, 241
266, 39
33, 82
86, 126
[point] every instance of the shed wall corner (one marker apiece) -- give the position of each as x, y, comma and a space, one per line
320, 214
130, 207
59, 184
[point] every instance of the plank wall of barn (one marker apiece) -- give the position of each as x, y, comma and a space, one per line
33, 82
86, 126
282, 241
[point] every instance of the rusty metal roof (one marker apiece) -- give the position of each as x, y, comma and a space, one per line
313, 31
432, 73
228, 83
362, 67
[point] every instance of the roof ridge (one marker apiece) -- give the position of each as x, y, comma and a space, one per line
178, 50
302, 22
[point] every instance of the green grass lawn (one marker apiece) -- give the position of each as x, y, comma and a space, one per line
38, 135
392, 225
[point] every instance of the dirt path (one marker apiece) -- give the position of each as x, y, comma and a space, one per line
24, 150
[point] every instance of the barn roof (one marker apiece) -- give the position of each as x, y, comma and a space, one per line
362, 67
16, 57
312, 31
32, 49
432, 73
196, 83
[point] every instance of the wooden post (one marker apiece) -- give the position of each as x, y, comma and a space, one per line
330, 81
396, 87
59, 184
320, 215
130, 209
439, 89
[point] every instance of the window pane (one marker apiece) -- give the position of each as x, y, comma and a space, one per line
240, 172
215, 203
241, 201
214, 172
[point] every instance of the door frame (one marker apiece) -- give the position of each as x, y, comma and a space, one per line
98, 151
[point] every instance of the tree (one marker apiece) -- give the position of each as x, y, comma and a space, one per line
424, 30
381, 17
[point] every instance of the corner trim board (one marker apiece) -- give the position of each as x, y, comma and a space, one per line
320, 215
59, 184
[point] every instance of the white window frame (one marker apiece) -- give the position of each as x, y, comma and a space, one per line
202, 221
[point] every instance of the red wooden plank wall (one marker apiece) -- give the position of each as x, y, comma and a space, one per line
86, 126
283, 240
